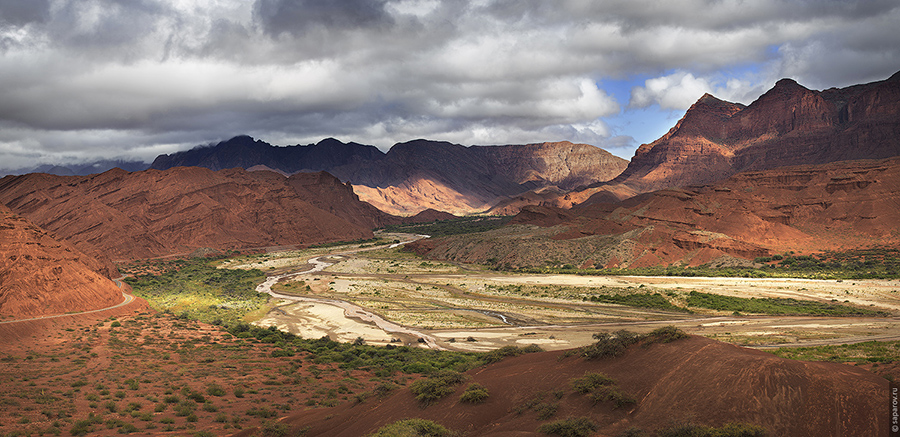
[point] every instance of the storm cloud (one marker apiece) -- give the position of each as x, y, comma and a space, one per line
91, 79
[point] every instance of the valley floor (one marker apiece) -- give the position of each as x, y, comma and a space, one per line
469, 308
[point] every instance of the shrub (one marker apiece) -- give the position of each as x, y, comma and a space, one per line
729, 430
412, 428
571, 427
590, 381
475, 393
435, 387
215, 390
271, 428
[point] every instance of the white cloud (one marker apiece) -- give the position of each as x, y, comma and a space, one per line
158, 73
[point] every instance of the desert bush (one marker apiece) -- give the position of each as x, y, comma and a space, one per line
215, 390
729, 430
612, 393
412, 428
666, 334
590, 381
475, 393
497, 355
437, 386
83, 427
570, 427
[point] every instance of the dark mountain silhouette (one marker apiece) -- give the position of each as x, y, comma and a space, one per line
246, 152
421, 174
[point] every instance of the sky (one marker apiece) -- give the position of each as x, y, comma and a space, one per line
82, 80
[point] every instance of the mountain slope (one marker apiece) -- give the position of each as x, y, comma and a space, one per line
804, 208
245, 152
690, 380
426, 174
788, 125
420, 174
153, 213
40, 275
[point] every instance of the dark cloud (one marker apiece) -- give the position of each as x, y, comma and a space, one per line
22, 12
296, 17
87, 78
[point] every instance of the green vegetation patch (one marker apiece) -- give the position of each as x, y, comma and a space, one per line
609, 345
569, 427
866, 352
412, 428
436, 387
879, 262
775, 306
475, 393
639, 300
195, 289
443, 228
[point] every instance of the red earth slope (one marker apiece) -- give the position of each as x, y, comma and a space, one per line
805, 208
692, 380
40, 275
154, 213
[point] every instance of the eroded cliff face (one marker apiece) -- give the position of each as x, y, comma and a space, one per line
40, 275
425, 174
803, 208
789, 125
153, 213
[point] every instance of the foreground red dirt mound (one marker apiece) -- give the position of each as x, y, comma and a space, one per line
41, 276
692, 380
154, 213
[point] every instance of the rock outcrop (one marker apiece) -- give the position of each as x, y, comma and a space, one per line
788, 125
420, 174
154, 213
804, 208
40, 275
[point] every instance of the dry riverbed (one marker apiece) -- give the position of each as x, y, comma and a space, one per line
465, 308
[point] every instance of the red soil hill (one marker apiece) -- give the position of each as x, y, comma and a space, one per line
692, 380
40, 275
154, 213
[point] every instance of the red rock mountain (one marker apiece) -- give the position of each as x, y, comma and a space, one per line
788, 125
420, 174
694, 380
804, 208
153, 213
40, 275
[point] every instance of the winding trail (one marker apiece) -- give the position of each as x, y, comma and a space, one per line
128, 298
350, 310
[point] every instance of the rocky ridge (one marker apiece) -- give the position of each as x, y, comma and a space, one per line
803, 208
155, 213
40, 275
788, 125
420, 174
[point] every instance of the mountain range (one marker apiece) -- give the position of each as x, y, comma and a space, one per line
421, 174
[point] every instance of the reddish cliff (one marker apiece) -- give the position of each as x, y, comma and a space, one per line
803, 208
40, 275
153, 213
788, 125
